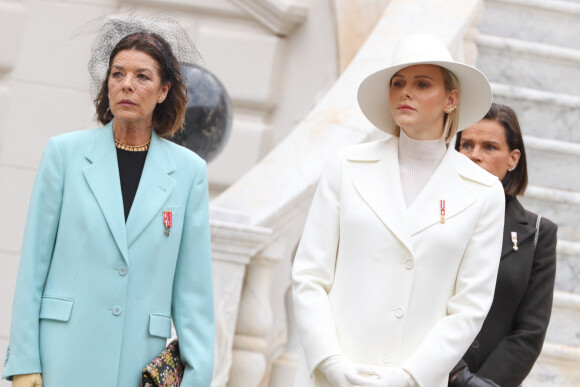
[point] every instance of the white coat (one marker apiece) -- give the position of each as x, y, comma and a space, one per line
388, 285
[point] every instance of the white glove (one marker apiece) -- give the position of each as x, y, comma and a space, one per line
335, 368
378, 376
27, 380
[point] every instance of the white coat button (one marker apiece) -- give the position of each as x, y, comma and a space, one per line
409, 264
399, 312
387, 359
116, 310
123, 270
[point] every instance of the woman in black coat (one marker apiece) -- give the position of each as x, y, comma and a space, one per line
513, 333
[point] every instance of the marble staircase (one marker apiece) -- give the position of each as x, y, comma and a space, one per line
530, 52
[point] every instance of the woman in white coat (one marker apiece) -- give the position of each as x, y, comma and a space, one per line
397, 264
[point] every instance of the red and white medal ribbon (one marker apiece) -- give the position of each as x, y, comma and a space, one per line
515, 240
167, 221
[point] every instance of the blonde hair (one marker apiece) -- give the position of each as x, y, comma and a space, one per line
451, 120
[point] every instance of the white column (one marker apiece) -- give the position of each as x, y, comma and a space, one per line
284, 367
233, 245
255, 319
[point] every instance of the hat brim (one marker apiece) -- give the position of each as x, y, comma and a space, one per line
475, 95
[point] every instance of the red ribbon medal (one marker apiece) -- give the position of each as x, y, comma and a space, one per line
167, 221
442, 211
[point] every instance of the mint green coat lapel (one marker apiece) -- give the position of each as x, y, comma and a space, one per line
154, 188
101, 176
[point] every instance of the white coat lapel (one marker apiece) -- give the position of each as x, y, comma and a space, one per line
380, 186
154, 188
445, 184
103, 179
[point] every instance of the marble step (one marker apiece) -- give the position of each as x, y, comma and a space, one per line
560, 206
557, 366
553, 163
568, 266
564, 328
528, 64
542, 113
559, 362
534, 20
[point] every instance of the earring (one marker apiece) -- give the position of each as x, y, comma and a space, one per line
450, 109
160, 100
511, 169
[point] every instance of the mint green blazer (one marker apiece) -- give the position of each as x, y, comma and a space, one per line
95, 296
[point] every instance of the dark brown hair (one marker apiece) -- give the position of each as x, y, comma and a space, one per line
168, 116
514, 182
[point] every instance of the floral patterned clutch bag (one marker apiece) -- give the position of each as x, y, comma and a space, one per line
166, 370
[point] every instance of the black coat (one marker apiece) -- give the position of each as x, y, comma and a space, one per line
513, 333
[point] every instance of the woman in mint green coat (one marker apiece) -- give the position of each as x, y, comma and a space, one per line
117, 241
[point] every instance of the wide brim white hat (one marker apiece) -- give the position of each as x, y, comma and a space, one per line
475, 90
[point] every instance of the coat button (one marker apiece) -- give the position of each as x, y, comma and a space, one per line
409, 264
475, 344
387, 359
123, 270
116, 310
399, 312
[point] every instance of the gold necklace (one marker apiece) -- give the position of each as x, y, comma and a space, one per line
132, 148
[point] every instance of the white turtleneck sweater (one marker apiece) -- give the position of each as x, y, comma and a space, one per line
417, 162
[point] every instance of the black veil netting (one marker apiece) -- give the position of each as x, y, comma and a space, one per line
208, 118
109, 30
